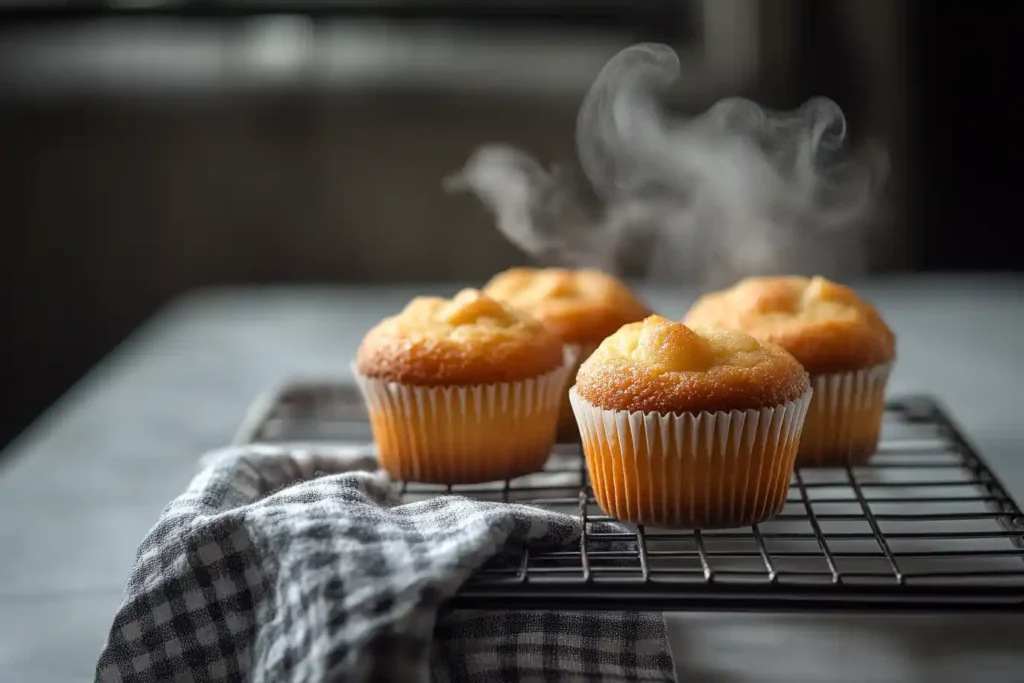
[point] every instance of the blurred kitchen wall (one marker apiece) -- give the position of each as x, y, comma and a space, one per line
149, 149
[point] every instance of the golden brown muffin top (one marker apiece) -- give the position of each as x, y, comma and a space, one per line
580, 306
470, 339
663, 366
825, 325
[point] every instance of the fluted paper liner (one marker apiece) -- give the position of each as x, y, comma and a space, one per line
465, 434
845, 418
568, 430
691, 470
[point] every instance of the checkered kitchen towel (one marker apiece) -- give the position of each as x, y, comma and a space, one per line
286, 566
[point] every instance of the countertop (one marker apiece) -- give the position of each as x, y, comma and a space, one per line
83, 485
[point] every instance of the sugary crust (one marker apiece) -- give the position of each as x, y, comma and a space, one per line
663, 366
825, 325
580, 306
469, 340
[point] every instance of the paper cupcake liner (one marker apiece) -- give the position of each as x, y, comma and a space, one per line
844, 420
568, 430
691, 470
465, 434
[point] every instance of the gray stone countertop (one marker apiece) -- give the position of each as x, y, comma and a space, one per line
81, 488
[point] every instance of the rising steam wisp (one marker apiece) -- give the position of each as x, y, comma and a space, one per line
737, 190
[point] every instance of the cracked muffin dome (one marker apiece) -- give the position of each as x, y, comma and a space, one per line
825, 325
690, 427
659, 365
462, 391
580, 306
469, 339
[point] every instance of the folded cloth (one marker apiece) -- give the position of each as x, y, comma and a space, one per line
293, 565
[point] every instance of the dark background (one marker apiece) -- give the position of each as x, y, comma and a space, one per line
121, 188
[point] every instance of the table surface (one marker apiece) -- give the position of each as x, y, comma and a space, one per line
82, 487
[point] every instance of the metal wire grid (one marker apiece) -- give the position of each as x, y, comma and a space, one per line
926, 525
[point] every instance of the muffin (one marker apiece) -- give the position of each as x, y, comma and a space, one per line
692, 428
840, 339
462, 390
582, 307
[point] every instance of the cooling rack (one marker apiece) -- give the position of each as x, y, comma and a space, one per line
925, 526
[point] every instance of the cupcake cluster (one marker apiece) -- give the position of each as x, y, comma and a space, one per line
693, 424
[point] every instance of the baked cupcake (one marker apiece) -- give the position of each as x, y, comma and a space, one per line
462, 390
693, 428
840, 339
582, 307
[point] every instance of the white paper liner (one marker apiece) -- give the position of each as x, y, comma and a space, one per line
465, 434
844, 420
691, 470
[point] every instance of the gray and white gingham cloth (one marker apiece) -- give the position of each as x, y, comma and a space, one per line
286, 565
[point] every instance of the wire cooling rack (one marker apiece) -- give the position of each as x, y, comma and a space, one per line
925, 526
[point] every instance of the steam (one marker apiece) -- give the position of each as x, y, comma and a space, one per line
735, 191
